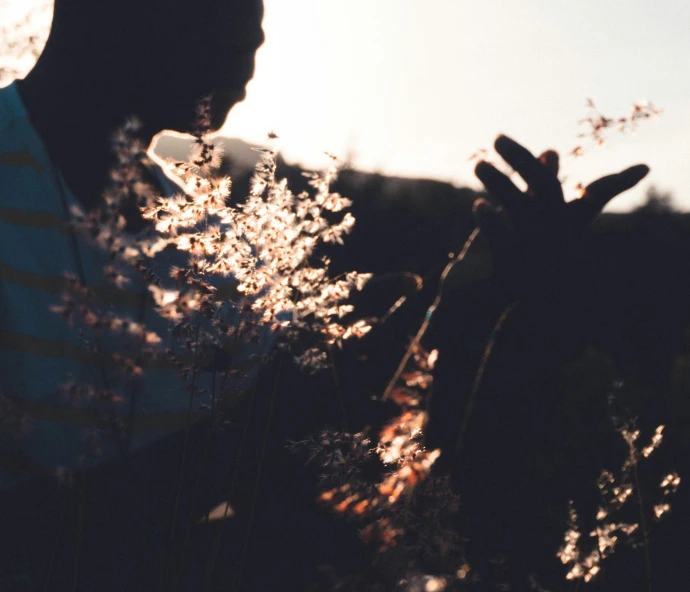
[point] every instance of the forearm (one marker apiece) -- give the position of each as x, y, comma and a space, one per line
487, 341
463, 326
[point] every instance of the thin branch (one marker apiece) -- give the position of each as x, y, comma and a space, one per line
429, 315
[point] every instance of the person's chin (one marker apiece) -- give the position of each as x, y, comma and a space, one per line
183, 118
221, 104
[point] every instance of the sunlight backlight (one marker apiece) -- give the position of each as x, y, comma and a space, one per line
414, 89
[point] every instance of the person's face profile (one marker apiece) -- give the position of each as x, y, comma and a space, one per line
200, 49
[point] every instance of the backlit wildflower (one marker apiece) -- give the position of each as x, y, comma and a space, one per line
616, 491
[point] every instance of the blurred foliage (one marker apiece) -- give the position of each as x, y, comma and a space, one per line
626, 318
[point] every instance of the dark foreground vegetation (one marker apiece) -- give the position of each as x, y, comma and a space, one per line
541, 431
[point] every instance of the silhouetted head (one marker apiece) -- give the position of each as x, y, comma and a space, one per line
157, 58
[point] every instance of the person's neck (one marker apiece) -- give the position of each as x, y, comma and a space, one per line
75, 120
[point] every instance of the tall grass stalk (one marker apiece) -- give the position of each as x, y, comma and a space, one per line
417, 339
259, 470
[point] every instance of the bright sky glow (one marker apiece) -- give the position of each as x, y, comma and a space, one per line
414, 88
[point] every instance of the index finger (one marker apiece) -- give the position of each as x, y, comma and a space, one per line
502, 188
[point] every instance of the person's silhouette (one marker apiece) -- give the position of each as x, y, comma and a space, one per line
103, 63
106, 61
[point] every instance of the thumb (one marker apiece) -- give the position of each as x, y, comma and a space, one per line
602, 191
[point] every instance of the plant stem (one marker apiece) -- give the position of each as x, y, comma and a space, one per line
643, 524
197, 487
80, 530
46, 586
221, 523
257, 484
338, 392
480, 375
429, 314
185, 445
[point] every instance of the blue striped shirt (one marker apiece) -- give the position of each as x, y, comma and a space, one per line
39, 350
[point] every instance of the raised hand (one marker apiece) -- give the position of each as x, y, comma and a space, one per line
533, 234
532, 237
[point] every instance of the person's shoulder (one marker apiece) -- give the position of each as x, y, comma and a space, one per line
26, 178
12, 118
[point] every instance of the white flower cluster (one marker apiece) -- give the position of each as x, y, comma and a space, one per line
615, 492
264, 248
267, 244
587, 566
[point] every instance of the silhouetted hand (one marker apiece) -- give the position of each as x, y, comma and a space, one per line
532, 237
534, 234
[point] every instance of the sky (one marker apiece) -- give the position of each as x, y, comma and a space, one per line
414, 88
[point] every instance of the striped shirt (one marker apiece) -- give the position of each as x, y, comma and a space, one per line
39, 350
